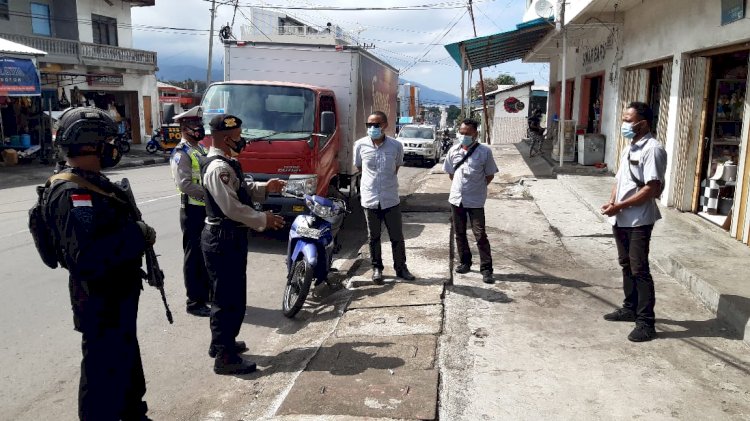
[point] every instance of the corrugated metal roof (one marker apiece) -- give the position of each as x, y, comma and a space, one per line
502, 47
16, 48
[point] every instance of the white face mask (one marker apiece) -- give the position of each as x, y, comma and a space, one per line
465, 139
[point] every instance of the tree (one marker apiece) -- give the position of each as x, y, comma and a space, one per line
453, 113
492, 84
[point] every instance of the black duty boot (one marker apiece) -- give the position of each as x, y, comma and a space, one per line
620, 315
199, 310
463, 268
230, 363
487, 277
239, 347
405, 274
642, 333
377, 276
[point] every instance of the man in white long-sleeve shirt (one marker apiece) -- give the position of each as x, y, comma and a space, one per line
229, 214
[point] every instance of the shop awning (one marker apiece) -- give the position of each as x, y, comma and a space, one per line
18, 77
502, 47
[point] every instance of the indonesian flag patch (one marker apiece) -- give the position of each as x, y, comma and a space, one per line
80, 200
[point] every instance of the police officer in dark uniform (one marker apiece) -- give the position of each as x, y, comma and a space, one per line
101, 245
186, 172
229, 214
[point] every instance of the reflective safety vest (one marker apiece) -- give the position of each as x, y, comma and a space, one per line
194, 153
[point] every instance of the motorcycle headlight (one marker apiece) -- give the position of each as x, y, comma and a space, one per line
302, 185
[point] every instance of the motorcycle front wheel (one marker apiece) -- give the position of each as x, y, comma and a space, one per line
123, 146
297, 288
151, 148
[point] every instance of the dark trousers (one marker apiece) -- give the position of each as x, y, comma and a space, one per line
225, 252
392, 219
197, 284
112, 385
637, 283
459, 216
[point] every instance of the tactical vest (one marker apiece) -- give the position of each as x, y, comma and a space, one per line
195, 154
213, 211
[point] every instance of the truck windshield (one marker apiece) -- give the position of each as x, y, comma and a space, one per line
415, 133
270, 112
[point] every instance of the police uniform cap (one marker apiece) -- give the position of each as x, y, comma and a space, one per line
84, 126
224, 122
193, 114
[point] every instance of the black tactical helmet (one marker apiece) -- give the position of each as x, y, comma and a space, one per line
84, 126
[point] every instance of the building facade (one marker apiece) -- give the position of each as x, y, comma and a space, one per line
90, 59
689, 60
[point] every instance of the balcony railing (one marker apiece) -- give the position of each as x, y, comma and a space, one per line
83, 52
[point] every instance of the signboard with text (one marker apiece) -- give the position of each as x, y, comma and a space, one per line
18, 77
104, 80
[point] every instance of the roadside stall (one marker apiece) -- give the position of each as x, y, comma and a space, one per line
23, 129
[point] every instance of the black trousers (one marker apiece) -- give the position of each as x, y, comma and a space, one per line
637, 283
112, 385
393, 222
225, 252
197, 283
459, 216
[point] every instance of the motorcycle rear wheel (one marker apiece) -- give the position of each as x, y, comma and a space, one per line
123, 146
297, 288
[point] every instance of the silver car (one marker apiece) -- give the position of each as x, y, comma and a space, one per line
420, 143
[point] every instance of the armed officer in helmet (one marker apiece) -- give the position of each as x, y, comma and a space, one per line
187, 177
101, 245
229, 214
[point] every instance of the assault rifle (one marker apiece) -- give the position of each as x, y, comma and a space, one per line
153, 275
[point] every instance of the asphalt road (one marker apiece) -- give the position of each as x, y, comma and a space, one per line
40, 352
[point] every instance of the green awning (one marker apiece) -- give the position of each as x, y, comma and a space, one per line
503, 47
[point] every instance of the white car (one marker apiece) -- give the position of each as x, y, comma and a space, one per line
420, 143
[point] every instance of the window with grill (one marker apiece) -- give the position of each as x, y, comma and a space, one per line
4, 12
40, 24
104, 30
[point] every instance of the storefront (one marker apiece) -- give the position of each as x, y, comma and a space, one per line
22, 126
126, 97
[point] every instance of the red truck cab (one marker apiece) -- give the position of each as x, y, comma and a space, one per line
292, 132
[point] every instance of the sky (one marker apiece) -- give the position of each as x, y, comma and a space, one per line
410, 40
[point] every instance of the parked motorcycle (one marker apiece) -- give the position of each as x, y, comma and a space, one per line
312, 243
122, 143
155, 143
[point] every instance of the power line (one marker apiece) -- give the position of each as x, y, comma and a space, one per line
450, 28
429, 6
118, 25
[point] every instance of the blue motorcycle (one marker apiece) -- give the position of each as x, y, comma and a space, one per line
312, 243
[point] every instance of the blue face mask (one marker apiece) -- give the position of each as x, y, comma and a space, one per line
627, 130
374, 132
465, 139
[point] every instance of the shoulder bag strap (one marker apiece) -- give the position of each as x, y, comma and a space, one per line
468, 154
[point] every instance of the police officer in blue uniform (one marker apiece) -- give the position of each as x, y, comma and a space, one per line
101, 245
186, 173
229, 215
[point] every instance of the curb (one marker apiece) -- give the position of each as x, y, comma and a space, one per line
734, 315
144, 162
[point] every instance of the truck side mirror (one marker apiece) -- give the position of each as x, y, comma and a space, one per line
327, 122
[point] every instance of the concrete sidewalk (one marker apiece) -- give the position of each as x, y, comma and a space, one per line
531, 346
36, 172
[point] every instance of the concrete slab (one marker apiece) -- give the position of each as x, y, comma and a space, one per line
355, 354
390, 321
393, 294
324, 418
374, 393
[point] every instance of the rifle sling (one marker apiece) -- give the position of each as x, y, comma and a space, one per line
84, 184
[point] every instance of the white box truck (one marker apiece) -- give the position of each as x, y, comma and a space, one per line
302, 107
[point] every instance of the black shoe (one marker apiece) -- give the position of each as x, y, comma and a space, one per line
487, 277
233, 364
405, 274
239, 347
200, 311
620, 315
642, 333
463, 268
377, 276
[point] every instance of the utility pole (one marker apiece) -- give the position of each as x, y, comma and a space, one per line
564, 84
486, 130
211, 43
